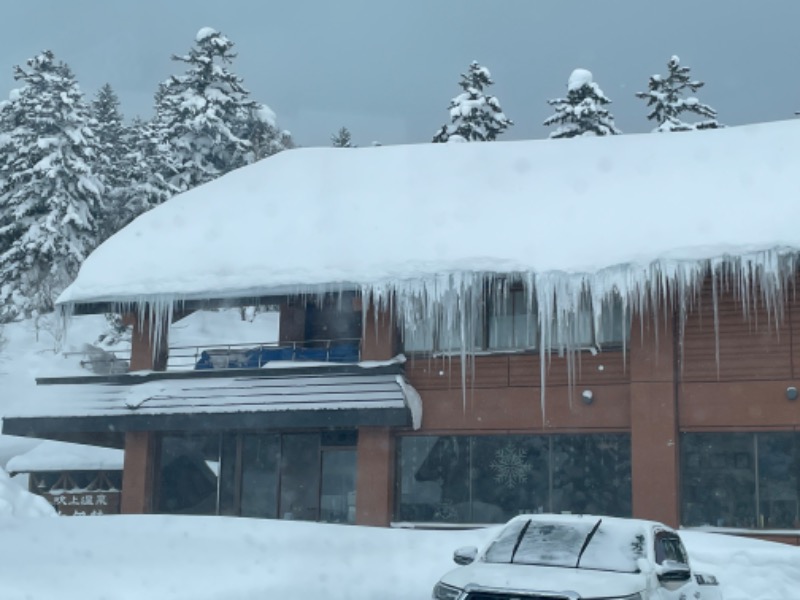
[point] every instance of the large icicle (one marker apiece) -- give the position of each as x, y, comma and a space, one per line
454, 302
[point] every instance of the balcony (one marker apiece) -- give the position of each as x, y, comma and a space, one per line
229, 356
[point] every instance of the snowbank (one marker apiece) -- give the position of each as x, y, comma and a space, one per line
16, 502
215, 558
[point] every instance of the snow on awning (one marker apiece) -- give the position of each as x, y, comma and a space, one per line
251, 399
61, 456
321, 219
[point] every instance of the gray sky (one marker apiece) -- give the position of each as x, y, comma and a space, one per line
387, 69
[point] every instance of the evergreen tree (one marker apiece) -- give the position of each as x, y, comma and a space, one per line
113, 141
49, 194
666, 97
207, 118
582, 112
342, 139
474, 116
148, 163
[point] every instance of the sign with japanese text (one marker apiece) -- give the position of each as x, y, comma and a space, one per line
84, 504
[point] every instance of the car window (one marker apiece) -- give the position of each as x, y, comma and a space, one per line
670, 547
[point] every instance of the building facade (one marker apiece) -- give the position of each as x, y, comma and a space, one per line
692, 421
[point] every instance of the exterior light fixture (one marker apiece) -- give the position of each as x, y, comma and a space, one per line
791, 393
588, 397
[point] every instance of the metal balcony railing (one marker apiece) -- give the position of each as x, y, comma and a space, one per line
229, 356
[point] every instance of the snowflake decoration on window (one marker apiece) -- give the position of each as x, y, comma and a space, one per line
510, 466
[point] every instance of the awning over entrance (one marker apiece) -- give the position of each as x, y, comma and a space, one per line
291, 398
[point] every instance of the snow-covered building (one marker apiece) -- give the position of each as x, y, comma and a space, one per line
601, 325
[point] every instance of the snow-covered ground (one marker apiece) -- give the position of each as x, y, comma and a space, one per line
217, 558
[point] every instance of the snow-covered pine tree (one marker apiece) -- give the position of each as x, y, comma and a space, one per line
49, 195
342, 139
147, 161
113, 141
583, 110
474, 116
207, 118
666, 97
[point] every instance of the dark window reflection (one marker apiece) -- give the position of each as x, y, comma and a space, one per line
300, 477
591, 474
260, 460
741, 479
488, 479
338, 497
187, 478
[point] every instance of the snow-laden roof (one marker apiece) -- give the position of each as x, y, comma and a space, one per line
61, 456
310, 397
326, 217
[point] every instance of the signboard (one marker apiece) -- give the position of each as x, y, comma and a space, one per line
84, 503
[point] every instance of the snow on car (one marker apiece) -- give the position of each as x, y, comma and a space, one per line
571, 557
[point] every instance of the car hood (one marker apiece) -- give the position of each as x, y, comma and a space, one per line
585, 582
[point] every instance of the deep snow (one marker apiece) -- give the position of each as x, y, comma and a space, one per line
217, 558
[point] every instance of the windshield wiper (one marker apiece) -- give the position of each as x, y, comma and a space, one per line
519, 540
586, 541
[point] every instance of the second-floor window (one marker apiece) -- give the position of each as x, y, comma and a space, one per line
511, 322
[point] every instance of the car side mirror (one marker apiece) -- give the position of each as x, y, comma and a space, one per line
672, 570
465, 555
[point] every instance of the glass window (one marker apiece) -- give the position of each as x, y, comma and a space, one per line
489, 479
591, 474
740, 479
188, 474
614, 323
338, 496
300, 477
778, 470
670, 547
511, 323
509, 475
261, 456
440, 335
433, 478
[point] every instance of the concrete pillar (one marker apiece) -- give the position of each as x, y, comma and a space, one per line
138, 474
654, 420
374, 476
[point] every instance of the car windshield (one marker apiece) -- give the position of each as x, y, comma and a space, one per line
614, 546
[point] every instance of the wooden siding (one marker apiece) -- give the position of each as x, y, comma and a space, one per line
520, 409
516, 370
750, 348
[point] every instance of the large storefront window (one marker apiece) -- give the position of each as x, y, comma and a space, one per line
299, 476
489, 479
741, 479
188, 474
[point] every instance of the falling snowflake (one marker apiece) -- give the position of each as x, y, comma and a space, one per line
510, 466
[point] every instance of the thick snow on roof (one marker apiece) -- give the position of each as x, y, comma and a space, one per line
61, 456
324, 217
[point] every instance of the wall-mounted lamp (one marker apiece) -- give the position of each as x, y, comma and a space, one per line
588, 397
791, 393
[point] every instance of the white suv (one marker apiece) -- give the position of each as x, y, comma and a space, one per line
571, 557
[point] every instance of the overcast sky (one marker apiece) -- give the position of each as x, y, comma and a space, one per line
387, 69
